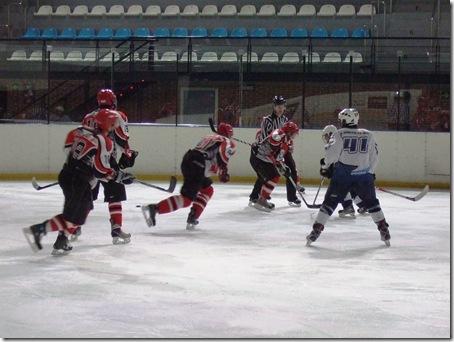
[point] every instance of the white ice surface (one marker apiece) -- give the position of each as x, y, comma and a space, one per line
242, 273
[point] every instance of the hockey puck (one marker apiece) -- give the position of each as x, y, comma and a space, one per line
138, 206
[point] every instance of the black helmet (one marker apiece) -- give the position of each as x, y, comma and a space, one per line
278, 100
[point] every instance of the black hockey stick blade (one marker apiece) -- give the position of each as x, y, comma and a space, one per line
310, 206
414, 198
171, 188
38, 187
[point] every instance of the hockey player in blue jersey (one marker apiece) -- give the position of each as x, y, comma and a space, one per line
350, 158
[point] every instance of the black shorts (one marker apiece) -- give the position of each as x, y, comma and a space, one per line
78, 195
113, 192
265, 171
193, 169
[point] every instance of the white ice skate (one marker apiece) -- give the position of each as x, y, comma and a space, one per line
263, 205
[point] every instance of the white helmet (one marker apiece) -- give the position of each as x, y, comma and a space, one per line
327, 133
348, 117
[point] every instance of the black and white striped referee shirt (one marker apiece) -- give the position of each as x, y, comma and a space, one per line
269, 124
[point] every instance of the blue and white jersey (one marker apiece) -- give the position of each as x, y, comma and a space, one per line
355, 147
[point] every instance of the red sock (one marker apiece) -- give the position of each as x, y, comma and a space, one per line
116, 217
202, 199
268, 187
173, 203
58, 223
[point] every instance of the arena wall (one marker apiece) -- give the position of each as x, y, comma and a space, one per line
406, 158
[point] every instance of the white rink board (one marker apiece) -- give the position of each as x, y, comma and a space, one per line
243, 273
404, 156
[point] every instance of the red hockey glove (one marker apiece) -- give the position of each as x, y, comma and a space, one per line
224, 177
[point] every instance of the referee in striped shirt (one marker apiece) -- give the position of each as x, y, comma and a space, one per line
269, 123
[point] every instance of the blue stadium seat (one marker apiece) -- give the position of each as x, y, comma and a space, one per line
199, 32
279, 32
219, 32
123, 33
239, 32
32, 33
319, 32
105, 33
258, 32
339, 33
67, 33
360, 33
49, 33
299, 33
162, 32
86, 33
142, 32
180, 32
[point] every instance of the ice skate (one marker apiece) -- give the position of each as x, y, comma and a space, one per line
347, 212
362, 211
76, 234
119, 237
295, 203
252, 202
34, 234
382, 227
191, 221
263, 205
317, 229
62, 245
149, 213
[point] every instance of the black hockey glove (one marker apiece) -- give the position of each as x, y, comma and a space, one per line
127, 161
224, 177
254, 148
327, 173
124, 177
322, 161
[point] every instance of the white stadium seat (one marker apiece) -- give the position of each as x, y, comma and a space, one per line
287, 11
79, 11
209, 56
169, 56
209, 10
247, 11
171, 11
290, 57
57, 56
229, 56
315, 57
346, 11
267, 11
228, 11
327, 10
90, 56
116, 11
254, 57
44, 11
366, 10
152, 11
134, 11
356, 57
332, 57
307, 10
36, 55
62, 11
190, 11
270, 57
74, 56
98, 11
185, 56
18, 55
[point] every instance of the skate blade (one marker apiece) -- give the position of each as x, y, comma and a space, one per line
347, 216
308, 242
60, 252
29, 236
251, 204
261, 208
190, 226
146, 215
291, 204
120, 241
387, 243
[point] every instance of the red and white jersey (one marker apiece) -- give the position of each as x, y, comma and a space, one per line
92, 150
217, 150
274, 147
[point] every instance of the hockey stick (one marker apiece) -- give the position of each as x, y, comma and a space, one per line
171, 188
319, 187
414, 199
211, 122
38, 187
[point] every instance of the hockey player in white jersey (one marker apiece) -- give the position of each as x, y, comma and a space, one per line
353, 153
347, 203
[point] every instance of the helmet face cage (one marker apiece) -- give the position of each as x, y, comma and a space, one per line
328, 132
290, 128
349, 117
279, 100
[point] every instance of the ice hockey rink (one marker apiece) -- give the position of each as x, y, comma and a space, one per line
242, 273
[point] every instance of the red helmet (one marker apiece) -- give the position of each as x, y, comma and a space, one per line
225, 129
105, 120
290, 128
106, 99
